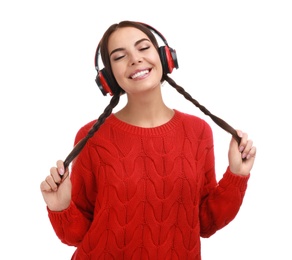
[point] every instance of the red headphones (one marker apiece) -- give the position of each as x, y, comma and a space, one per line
168, 58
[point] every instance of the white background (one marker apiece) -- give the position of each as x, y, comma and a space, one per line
235, 58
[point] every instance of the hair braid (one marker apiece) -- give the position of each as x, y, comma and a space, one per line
106, 113
216, 119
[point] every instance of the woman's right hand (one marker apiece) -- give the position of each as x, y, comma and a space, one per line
56, 188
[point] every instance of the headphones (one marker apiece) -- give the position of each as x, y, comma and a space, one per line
107, 84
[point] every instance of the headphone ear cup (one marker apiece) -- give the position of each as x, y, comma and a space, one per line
168, 59
102, 80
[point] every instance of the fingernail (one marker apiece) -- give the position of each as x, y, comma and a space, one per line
61, 171
241, 148
240, 134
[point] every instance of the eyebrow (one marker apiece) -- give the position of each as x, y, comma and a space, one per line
122, 49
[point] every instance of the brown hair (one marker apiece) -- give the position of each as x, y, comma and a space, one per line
117, 90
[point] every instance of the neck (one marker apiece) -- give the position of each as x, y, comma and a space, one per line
145, 111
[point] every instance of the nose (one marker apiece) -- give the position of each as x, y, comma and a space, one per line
135, 58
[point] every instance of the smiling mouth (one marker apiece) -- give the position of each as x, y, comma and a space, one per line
139, 74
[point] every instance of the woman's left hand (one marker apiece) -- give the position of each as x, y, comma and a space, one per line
241, 157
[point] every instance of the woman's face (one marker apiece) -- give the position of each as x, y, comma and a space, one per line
135, 61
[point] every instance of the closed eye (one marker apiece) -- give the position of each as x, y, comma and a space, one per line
144, 48
119, 57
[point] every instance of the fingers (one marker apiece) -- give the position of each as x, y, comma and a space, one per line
241, 156
246, 147
53, 180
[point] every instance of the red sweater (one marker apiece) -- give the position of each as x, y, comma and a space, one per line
147, 193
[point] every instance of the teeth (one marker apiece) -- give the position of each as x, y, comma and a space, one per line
140, 73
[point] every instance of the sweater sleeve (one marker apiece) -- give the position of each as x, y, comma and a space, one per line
72, 224
222, 203
69, 224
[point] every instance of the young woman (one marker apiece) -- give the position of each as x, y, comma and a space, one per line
142, 183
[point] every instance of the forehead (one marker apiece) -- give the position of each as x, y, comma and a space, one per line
123, 37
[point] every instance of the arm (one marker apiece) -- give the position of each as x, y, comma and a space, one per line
221, 203
70, 210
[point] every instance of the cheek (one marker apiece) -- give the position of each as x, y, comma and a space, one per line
118, 72
156, 59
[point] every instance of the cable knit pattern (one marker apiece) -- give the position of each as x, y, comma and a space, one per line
147, 193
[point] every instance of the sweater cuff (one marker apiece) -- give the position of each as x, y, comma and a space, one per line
230, 178
70, 211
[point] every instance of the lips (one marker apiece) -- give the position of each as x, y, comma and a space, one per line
140, 73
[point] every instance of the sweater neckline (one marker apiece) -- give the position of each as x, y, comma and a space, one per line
137, 130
